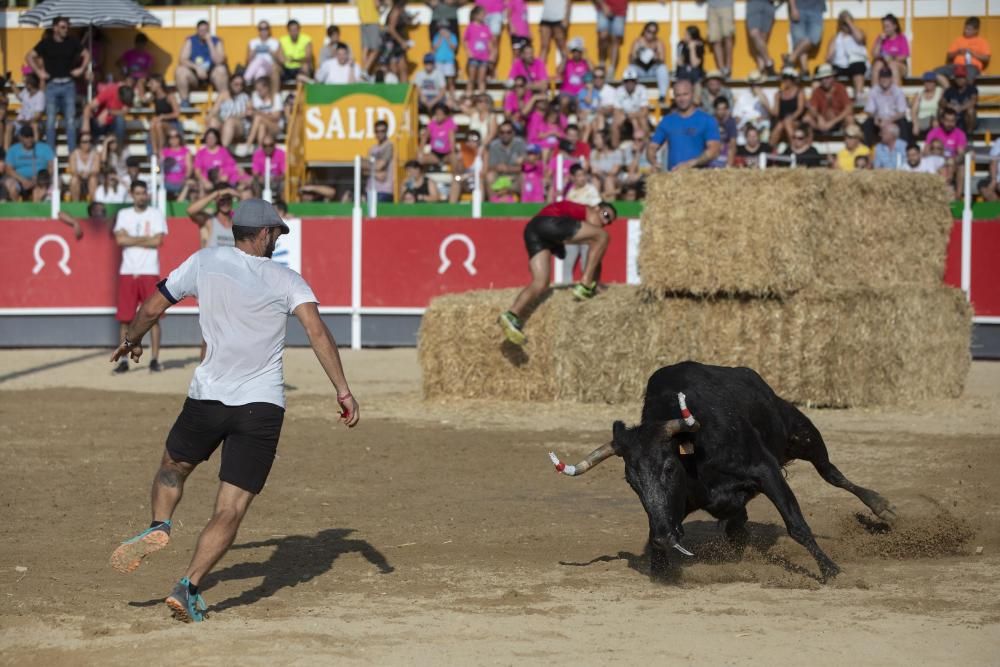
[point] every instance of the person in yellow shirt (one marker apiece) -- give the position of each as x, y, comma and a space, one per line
298, 51
853, 149
371, 33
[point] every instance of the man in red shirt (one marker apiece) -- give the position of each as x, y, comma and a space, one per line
546, 235
106, 112
829, 106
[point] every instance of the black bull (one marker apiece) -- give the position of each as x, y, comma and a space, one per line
733, 445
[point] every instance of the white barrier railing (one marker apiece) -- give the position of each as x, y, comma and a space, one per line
372, 194
266, 194
356, 219
56, 196
477, 188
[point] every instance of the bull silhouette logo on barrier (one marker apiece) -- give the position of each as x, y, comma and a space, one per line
63, 262
469, 262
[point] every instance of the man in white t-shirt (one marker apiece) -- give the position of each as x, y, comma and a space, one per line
916, 163
139, 231
632, 105
339, 69
237, 394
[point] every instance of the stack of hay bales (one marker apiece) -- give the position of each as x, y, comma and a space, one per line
828, 284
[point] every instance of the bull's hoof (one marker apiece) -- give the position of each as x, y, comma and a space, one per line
829, 570
888, 514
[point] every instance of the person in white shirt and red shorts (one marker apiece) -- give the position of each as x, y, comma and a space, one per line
139, 231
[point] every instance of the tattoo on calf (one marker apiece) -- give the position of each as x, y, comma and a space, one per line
168, 477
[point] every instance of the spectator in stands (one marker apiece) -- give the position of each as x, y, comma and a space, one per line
581, 190
648, 57
214, 229
137, 64
113, 155
641, 164
532, 69
728, 132
606, 165
110, 190
546, 130
264, 57
830, 106
202, 61
106, 112
572, 73
952, 138
610, 31
296, 53
258, 167
178, 166
469, 151
533, 183
962, 96
482, 119
96, 222
925, 105
944, 165
554, 25
893, 48
339, 69
848, 54
712, 89
557, 180
596, 103
444, 13
329, 48
517, 24
801, 149
493, 17
60, 61
517, 104
371, 33
886, 104
579, 150
32, 101
83, 166
759, 23
166, 113
395, 40
890, 152
230, 113
479, 51
267, 115
442, 135
445, 47
690, 59
916, 163
691, 135
7, 126
748, 155
806, 18
853, 148
862, 162
431, 85
214, 157
424, 190
381, 176
789, 106
131, 174
989, 188
505, 155
970, 50
721, 33
752, 107
631, 106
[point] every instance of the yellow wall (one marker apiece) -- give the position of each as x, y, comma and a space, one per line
931, 36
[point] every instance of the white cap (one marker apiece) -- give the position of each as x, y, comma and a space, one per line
576, 44
630, 74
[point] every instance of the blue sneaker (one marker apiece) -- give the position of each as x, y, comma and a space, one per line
185, 606
129, 554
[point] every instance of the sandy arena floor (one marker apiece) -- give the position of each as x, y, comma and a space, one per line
437, 533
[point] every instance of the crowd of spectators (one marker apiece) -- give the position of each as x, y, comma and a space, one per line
607, 138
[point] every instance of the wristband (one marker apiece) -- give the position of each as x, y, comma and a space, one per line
127, 342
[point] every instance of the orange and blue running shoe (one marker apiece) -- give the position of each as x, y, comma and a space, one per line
130, 553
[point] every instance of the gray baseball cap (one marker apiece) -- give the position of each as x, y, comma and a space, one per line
258, 213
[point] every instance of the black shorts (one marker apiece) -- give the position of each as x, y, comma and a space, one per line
250, 433
851, 70
551, 24
549, 233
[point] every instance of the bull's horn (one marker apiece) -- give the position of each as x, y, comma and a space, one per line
595, 457
687, 422
677, 545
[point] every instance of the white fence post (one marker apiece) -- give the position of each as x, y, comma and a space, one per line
372, 195
266, 195
356, 259
762, 160
477, 188
559, 177
154, 170
56, 196
966, 280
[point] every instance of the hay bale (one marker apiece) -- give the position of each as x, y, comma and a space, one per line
831, 348
775, 232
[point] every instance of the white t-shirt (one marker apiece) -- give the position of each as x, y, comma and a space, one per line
264, 49
928, 165
244, 304
608, 96
136, 260
634, 102
117, 196
332, 71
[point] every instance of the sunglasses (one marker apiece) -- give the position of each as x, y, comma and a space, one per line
85, 140
267, 145
263, 27
606, 214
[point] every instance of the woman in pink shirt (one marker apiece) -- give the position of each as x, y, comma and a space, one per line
213, 156
479, 48
493, 15
517, 24
892, 47
546, 131
573, 73
517, 104
532, 176
175, 160
531, 68
441, 130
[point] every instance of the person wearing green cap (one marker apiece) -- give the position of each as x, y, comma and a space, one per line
237, 395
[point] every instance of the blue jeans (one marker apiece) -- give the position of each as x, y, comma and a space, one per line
60, 97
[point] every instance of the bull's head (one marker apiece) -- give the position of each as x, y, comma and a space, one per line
653, 468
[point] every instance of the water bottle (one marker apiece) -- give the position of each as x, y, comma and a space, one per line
968, 57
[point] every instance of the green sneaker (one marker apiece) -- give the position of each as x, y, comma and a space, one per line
511, 325
582, 292
186, 607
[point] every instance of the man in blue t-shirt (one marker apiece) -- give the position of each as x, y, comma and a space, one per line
25, 160
691, 135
